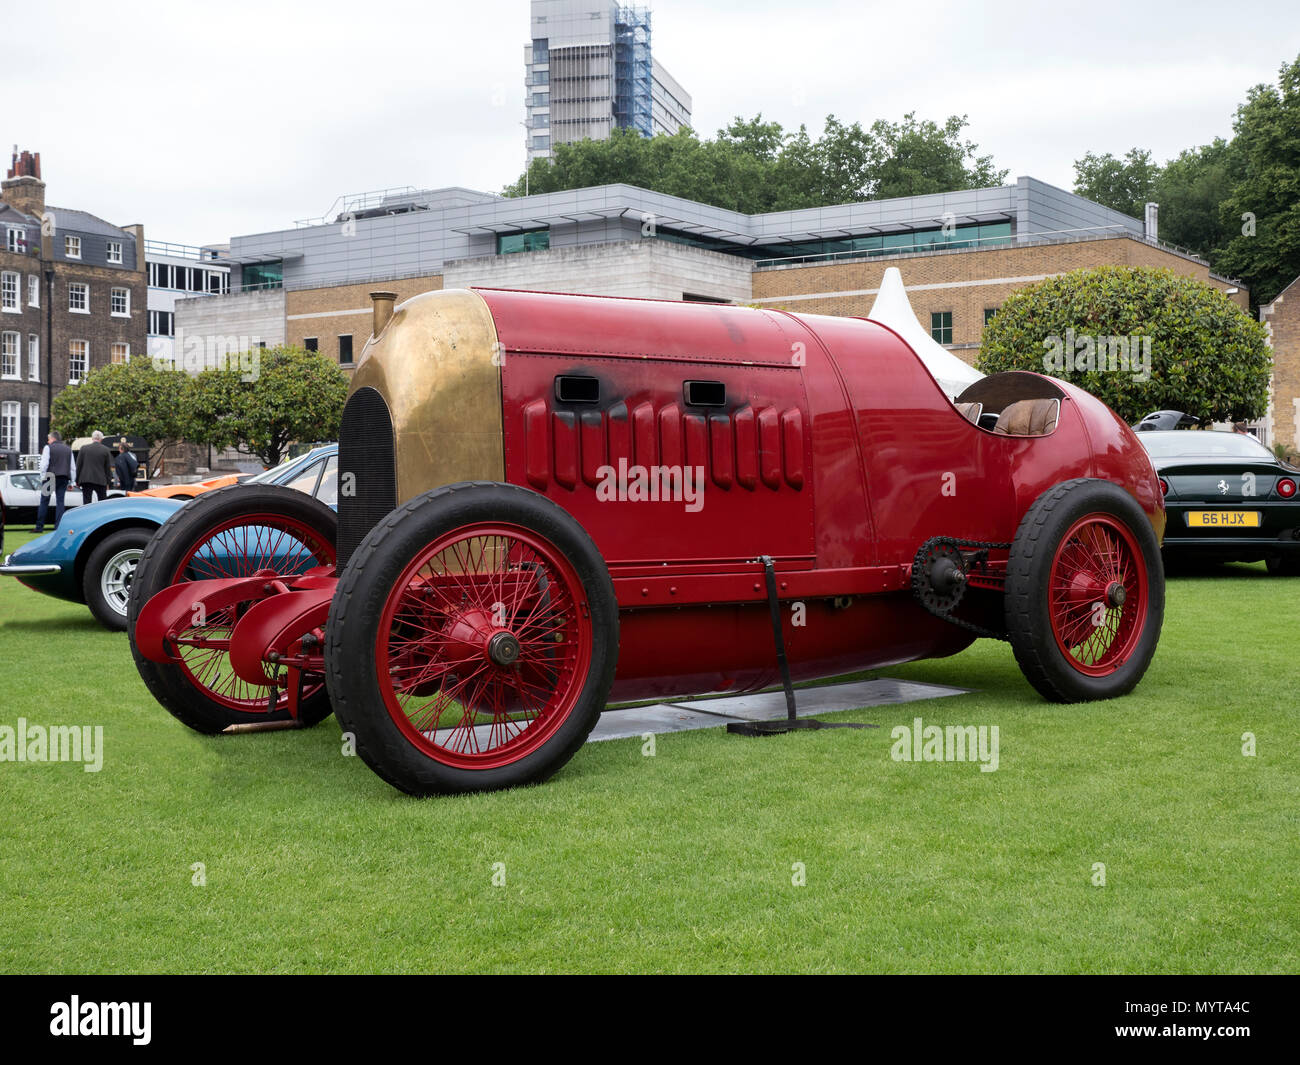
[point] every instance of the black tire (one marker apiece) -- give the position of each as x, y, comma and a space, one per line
170, 683
1283, 565
1029, 614
118, 554
364, 589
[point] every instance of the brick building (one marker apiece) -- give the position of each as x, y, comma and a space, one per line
72, 298
954, 291
1282, 320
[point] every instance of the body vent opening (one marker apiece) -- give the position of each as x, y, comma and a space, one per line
367, 469
705, 393
572, 388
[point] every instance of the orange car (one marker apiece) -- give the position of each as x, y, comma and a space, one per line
189, 491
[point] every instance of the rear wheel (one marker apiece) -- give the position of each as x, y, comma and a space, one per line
231, 532
1085, 592
472, 640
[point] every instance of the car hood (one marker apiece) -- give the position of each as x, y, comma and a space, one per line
79, 522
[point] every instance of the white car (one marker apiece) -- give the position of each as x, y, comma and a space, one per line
20, 493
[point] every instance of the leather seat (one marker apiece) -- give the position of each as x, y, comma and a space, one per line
1029, 417
970, 411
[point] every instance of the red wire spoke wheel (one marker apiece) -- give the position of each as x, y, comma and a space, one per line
246, 545
1085, 592
472, 640
240, 531
1098, 594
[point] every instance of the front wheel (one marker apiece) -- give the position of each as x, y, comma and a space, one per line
237, 531
1085, 592
106, 580
472, 640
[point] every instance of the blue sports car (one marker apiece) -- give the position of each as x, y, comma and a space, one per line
92, 556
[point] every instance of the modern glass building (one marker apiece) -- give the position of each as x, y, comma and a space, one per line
590, 69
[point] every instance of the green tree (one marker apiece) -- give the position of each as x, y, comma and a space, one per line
214, 406
754, 165
1206, 356
915, 158
290, 395
1262, 213
1190, 190
133, 398
1125, 185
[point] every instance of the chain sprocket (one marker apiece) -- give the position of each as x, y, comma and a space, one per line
939, 573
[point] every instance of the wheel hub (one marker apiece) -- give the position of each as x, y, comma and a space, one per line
473, 635
1115, 594
503, 649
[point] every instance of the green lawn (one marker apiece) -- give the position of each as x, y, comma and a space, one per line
682, 861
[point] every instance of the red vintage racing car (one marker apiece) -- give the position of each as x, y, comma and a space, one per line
551, 501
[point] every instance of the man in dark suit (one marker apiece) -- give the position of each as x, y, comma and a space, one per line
95, 469
57, 468
126, 465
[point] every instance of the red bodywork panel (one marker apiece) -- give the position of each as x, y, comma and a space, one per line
834, 452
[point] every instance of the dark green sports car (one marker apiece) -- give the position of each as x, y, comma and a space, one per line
1229, 499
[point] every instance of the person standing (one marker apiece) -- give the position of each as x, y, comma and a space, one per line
57, 468
96, 465
126, 465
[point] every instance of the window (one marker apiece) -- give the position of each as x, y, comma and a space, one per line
345, 347
78, 297
263, 275
16, 239
532, 240
115, 251
33, 290
9, 415
33, 357
218, 282
540, 141
989, 312
941, 326
328, 489
119, 302
309, 343
72, 247
541, 49
9, 299
78, 360
120, 351
33, 428
11, 354
160, 323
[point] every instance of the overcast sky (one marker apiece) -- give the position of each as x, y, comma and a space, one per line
206, 120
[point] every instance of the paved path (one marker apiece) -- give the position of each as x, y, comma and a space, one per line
763, 706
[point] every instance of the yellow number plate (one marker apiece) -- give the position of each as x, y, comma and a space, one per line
1223, 519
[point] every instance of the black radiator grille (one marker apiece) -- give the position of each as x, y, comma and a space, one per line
367, 469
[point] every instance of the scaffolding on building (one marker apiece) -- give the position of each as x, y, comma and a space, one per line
633, 77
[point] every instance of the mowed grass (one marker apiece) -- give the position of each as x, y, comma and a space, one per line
683, 861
